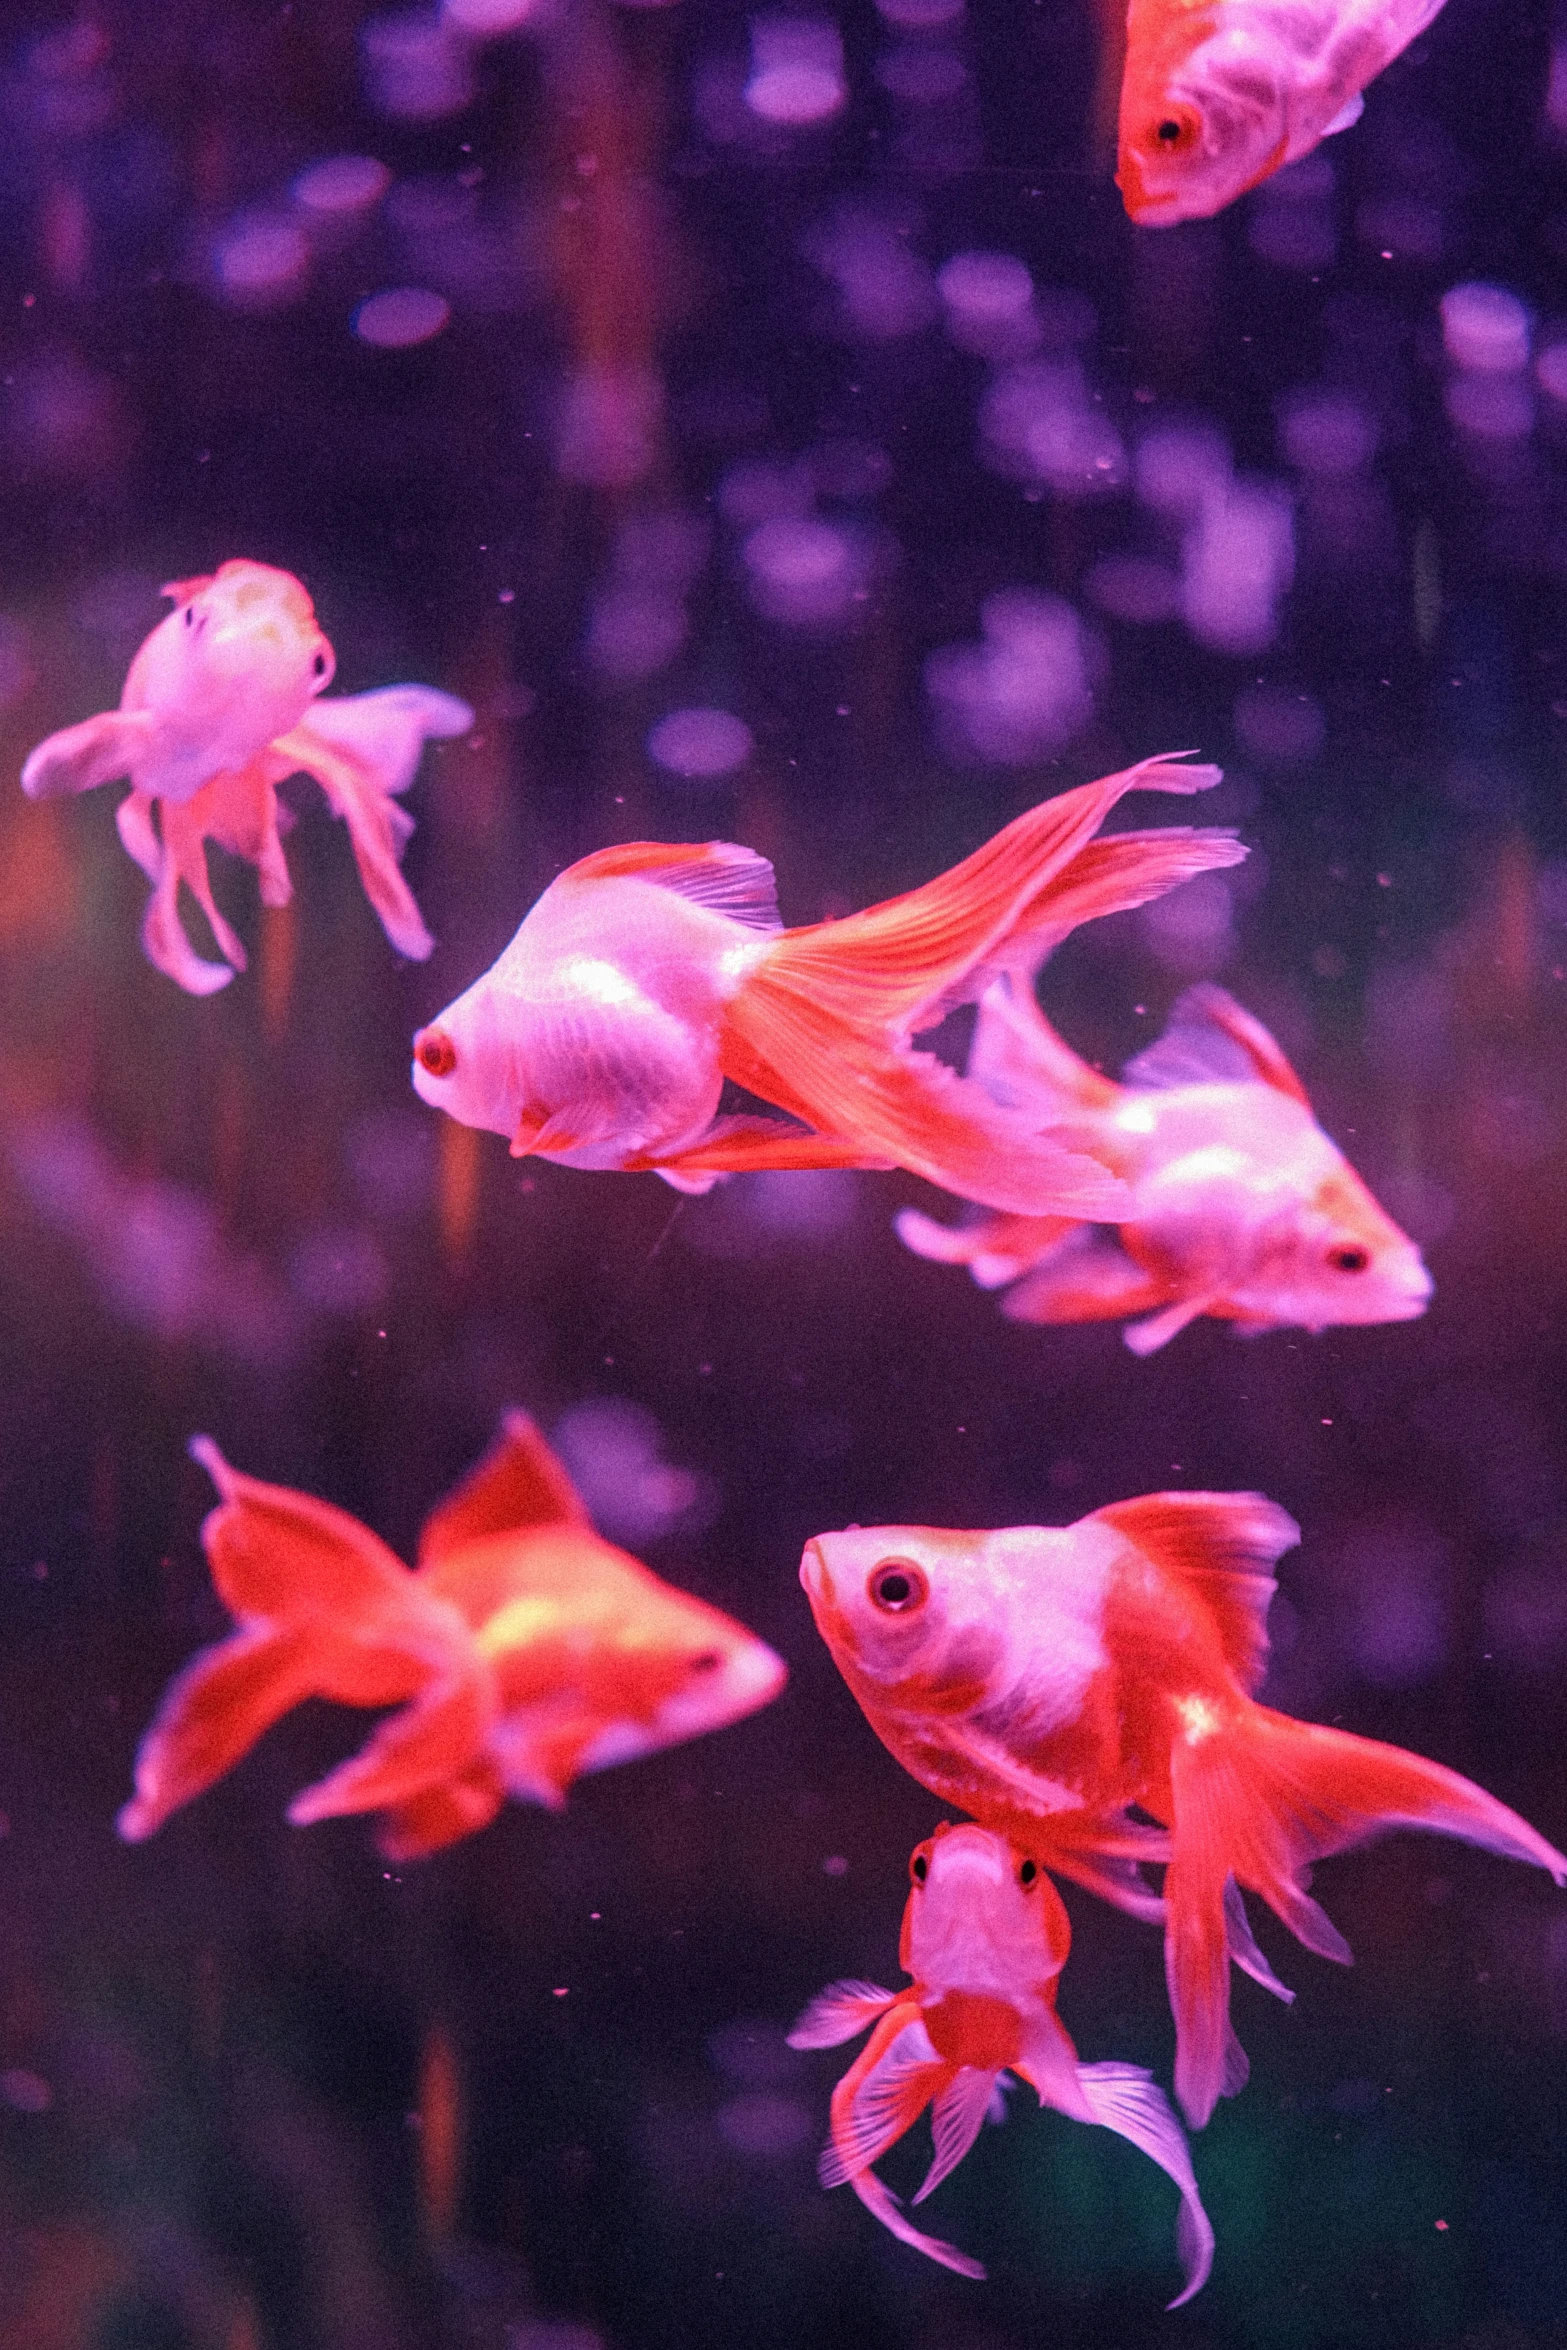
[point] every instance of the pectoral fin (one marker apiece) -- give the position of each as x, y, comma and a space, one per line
439, 1737
744, 1145
79, 758
1088, 1278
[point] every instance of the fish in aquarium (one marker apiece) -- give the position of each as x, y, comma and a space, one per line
985, 1937
524, 1650
1045, 1679
218, 708
1218, 96
648, 974
1239, 1205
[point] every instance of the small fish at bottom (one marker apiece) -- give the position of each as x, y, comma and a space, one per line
985, 1937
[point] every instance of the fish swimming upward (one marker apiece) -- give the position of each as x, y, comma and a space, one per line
1238, 1205
1044, 1679
524, 1651
984, 1937
646, 975
1218, 94
219, 708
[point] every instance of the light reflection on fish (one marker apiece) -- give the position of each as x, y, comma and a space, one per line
647, 975
985, 1937
524, 1651
1239, 1206
1047, 1679
219, 707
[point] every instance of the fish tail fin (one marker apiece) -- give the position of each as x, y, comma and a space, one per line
363, 749
211, 1716
1257, 1803
1123, 2098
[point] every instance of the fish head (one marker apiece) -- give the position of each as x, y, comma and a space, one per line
1200, 124
677, 1669
1334, 1258
980, 1914
908, 1613
236, 663
468, 1060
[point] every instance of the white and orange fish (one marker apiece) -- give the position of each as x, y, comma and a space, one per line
647, 975
1218, 94
1238, 1205
524, 1650
1045, 1679
219, 707
985, 1937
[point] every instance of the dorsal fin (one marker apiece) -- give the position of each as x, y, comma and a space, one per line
1222, 1546
183, 591
717, 874
1210, 1040
518, 1483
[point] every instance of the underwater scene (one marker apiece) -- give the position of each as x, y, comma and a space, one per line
783, 1307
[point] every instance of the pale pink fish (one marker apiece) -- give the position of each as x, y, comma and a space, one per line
1218, 94
985, 1937
219, 708
647, 975
1238, 1205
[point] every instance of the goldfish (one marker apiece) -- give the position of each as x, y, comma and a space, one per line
1238, 1205
985, 1937
647, 975
523, 1651
1218, 94
1044, 1679
218, 708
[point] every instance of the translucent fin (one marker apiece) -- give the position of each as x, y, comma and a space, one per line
1244, 1947
878, 2200
358, 757
882, 2095
1112, 877
441, 1815
957, 2117
839, 2012
1125, 2099
1222, 1547
1087, 1277
439, 1737
1346, 117
1146, 1338
1210, 1039
1019, 1059
750, 1145
79, 758
211, 1715
717, 874
519, 1483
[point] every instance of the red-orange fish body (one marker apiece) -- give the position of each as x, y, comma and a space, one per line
524, 1649
1049, 1679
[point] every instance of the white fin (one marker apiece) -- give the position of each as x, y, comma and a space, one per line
1210, 1039
838, 2013
717, 874
888, 2102
956, 2120
1146, 1338
1125, 2099
1346, 118
1244, 1947
80, 757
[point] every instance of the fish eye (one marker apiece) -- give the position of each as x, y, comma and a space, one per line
1028, 1873
1177, 130
318, 665
707, 1662
897, 1587
190, 616
1349, 1257
919, 1866
435, 1052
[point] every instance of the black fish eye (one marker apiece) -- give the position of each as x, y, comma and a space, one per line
1169, 132
708, 1662
897, 1587
190, 616
1028, 1872
319, 664
1349, 1257
919, 1868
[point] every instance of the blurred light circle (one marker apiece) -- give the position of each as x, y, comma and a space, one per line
342, 183
1178, 465
699, 743
795, 93
401, 317
488, 17
1328, 432
415, 67
261, 259
1550, 371
985, 286
1485, 329
1492, 408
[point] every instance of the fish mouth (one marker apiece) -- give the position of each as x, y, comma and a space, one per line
814, 1573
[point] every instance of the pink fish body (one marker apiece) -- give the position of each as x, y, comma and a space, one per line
1218, 94
1047, 1679
647, 975
985, 1938
1239, 1206
524, 1651
219, 707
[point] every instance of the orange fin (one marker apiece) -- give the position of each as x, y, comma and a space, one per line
882, 2094
1223, 1547
717, 874
995, 1250
441, 1815
1018, 1058
1113, 877
280, 1554
1088, 1277
211, 1715
519, 1483
437, 1738
1259, 1801
748, 1145
1210, 1039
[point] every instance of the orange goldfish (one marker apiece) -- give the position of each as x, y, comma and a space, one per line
1217, 94
1238, 1205
984, 1937
219, 707
524, 1649
646, 975
1046, 1678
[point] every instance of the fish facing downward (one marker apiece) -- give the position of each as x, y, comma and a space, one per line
524, 1651
219, 707
1044, 1679
1238, 1204
1218, 94
647, 975
985, 1937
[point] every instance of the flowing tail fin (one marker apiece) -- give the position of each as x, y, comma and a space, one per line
1258, 1802
821, 1025
1123, 2098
